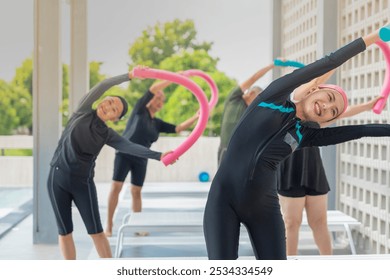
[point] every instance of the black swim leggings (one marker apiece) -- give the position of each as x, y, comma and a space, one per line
64, 189
255, 205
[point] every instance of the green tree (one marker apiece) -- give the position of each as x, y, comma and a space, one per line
21, 97
65, 94
23, 81
24, 75
22, 102
21, 87
159, 42
15, 108
181, 103
173, 46
94, 73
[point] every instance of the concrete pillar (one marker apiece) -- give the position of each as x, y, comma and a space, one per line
79, 68
327, 43
276, 35
47, 84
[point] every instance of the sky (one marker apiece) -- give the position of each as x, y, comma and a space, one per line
240, 30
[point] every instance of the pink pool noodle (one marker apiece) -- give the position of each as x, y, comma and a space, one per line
214, 89
385, 91
200, 96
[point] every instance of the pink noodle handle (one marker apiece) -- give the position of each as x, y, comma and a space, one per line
200, 96
214, 89
380, 104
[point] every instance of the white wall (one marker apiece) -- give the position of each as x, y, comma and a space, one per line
202, 156
16, 171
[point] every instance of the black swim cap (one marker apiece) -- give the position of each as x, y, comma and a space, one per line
125, 106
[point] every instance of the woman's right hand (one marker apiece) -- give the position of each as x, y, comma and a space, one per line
166, 153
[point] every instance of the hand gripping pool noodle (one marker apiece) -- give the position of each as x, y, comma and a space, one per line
200, 96
385, 91
292, 63
214, 89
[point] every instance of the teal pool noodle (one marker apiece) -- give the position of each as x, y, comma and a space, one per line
292, 63
384, 33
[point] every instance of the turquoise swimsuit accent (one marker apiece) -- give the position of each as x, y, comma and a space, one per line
298, 132
276, 107
284, 110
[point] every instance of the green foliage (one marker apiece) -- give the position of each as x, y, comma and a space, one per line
15, 108
173, 46
65, 81
65, 94
8, 114
182, 104
24, 75
163, 40
94, 73
158, 43
17, 152
16, 105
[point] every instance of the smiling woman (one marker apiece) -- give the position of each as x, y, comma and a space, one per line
72, 167
323, 104
271, 129
112, 108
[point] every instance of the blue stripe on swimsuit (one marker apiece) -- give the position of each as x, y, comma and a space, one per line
284, 110
276, 107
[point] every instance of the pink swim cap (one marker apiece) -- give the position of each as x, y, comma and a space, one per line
339, 90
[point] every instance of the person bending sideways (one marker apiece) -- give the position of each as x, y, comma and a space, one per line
303, 185
144, 128
71, 173
236, 103
244, 189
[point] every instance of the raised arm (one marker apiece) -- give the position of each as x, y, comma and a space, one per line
286, 84
97, 91
303, 90
252, 79
371, 38
187, 123
159, 86
357, 109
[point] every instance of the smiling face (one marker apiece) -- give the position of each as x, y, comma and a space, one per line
110, 109
321, 106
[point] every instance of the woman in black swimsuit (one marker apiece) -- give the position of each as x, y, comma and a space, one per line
72, 167
244, 187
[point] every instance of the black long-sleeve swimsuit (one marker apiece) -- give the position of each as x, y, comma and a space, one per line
244, 187
72, 167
